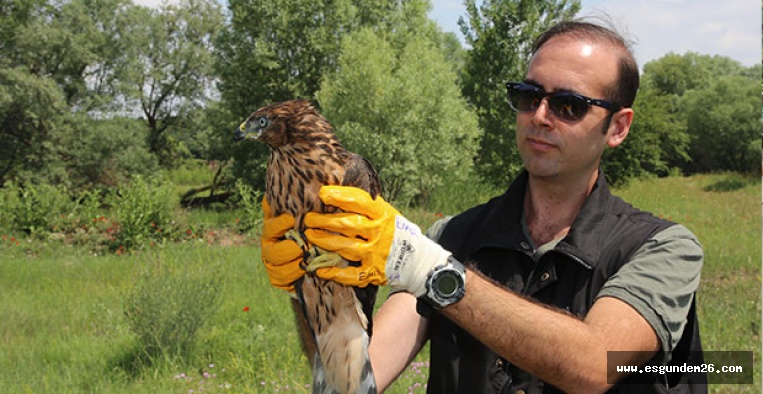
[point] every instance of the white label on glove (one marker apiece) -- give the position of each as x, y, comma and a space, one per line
402, 249
411, 257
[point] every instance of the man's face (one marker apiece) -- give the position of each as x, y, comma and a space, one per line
551, 147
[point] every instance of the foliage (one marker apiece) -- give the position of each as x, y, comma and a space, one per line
657, 143
143, 213
169, 303
250, 216
137, 216
724, 120
53, 213
678, 73
32, 115
32, 209
107, 153
75, 43
169, 71
58, 65
65, 65
287, 51
401, 109
694, 113
500, 34
76, 77
14, 14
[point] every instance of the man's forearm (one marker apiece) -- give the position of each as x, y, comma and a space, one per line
551, 344
398, 335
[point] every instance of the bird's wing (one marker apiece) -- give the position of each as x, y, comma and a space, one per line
360, 173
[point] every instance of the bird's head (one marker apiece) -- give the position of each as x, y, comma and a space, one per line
282, 123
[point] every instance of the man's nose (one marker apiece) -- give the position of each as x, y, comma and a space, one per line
542, 115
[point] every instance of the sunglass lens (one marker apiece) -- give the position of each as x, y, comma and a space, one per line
525, 98
567, 107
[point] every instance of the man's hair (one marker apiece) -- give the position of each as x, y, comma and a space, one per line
623, 91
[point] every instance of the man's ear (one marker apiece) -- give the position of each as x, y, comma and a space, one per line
619, 127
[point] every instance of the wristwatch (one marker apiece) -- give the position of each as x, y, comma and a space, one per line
446, 284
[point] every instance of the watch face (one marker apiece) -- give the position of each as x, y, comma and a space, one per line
447, 285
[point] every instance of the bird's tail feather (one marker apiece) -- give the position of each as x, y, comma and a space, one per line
342, 364
322, 386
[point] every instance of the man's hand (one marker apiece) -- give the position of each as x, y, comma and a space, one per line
281, 256
391, 248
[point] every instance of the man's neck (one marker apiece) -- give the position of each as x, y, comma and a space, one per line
551, 205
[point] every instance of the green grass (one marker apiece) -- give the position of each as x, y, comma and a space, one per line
723, 210
64, 329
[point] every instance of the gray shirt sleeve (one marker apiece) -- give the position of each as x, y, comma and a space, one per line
435, 230
659, 282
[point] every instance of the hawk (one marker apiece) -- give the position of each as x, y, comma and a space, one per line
305, 154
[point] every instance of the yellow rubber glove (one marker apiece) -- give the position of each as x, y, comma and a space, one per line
281, 256
390, 247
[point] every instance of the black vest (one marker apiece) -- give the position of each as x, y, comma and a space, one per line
606, 233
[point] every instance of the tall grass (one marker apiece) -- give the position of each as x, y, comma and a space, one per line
65, 326
169, 303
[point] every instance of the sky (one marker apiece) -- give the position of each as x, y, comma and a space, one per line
658, 27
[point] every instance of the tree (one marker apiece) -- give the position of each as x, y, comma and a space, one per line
104, 153
169, 72
675, 74
696, 110
33, 108
14, 16
277, 50
500, 34
400, 107
57, 68
32, 112
77, 43
657, 143
724, 121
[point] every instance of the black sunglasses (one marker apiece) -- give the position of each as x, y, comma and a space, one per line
567, 106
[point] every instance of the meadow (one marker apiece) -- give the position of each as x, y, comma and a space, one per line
79, 321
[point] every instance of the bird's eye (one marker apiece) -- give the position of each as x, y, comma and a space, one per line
262, 121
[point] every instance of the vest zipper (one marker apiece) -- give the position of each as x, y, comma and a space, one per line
576, 258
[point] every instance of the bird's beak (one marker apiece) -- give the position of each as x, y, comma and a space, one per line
241, 132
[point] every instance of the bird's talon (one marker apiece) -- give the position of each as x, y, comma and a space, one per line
295, 236
312, 257
325, 259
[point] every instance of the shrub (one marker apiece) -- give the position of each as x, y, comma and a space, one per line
250, 208
108, 152
8, 199
143, 213
33, 209
169, 303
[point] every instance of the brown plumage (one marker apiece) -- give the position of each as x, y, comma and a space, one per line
305, 155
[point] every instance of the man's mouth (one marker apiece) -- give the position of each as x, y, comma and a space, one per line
539, 144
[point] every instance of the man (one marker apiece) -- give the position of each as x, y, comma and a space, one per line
561, 277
